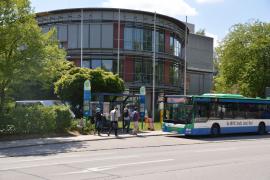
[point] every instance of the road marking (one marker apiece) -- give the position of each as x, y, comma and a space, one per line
53, 157
69, 162
103, 168
214, 150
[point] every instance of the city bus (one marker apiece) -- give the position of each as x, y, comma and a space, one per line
214, 114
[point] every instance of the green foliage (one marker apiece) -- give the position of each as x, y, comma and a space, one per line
244, 57
63, 118
37, 120
70, 86
33, 120
26, 54
201, 32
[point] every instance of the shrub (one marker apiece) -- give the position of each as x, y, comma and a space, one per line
33, 120
37, 120
63, 118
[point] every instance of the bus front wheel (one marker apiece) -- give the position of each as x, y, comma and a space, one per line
261, 128
215, 130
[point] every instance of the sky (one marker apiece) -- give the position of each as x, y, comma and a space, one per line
215, 16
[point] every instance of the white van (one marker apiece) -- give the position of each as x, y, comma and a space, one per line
43, 103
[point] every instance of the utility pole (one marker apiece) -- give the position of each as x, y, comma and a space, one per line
185, 66
81, 37
118, 44
154, 68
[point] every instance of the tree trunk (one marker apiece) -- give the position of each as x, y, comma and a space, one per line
2, 101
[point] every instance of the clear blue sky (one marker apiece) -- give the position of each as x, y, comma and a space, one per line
215, 16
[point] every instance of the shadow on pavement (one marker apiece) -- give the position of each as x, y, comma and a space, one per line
42, 150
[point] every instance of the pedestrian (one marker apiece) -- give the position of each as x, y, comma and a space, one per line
114, 121
149, 122
135, 118
98, 123
127, 117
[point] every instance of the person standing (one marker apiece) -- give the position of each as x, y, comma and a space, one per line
114, 121
98, 123
135, 117
127, 117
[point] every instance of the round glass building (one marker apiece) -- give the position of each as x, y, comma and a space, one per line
104, 39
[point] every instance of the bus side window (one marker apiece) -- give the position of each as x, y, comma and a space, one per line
203, 110
221, 111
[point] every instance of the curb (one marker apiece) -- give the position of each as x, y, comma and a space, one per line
70, 141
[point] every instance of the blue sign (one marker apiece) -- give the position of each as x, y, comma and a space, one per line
142, 106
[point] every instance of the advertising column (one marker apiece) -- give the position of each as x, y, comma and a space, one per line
87, 111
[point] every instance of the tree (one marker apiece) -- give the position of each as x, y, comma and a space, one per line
42, 85
24, 49
70, 86
201, 32
244, 57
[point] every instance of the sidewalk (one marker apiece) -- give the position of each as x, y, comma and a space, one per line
59, 140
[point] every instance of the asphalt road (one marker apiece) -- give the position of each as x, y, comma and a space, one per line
160, 157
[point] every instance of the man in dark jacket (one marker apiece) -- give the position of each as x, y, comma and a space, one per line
98, 121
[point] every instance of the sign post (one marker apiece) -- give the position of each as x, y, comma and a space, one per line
87, 111
142, 103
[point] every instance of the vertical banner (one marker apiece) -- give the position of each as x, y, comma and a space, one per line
142, 103
87, 111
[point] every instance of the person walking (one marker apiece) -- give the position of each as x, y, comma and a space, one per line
127, 117
135, 117
98, 123
114, 121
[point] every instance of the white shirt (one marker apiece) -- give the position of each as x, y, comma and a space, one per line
113, 115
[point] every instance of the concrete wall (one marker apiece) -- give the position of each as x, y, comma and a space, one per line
199, 64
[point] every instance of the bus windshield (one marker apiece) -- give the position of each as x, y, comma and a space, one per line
178, 113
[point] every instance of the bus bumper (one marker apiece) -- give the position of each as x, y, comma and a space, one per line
175, 128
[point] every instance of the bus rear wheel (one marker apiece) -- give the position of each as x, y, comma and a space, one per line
215, 130
261, 128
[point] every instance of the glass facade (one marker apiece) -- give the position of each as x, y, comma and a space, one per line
143, 72
174, 74
106, 64
142, 39
175, 45
100, 41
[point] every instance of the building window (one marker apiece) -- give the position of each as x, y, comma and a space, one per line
138, 39
128, 38
177, 47
86, 64
161, 41
171, 43
146, 71
143, 71
107, 65
159, 72
174, 75
63, 45
147, 40
96, 64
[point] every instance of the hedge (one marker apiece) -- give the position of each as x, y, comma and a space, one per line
37, 120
